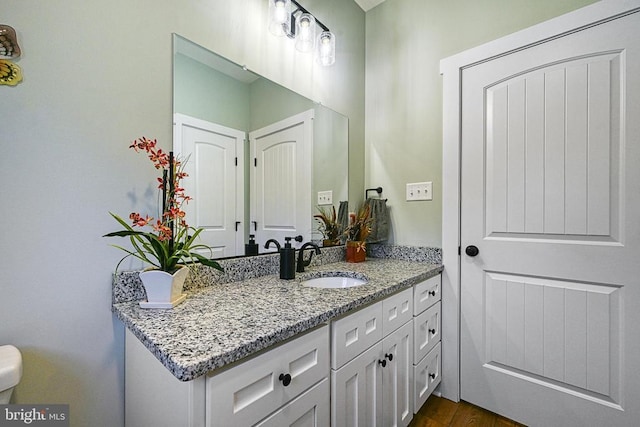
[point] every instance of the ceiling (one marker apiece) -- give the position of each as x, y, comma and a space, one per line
368, 4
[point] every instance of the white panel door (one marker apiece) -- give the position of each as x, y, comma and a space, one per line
281, 179
551, 198
215, 181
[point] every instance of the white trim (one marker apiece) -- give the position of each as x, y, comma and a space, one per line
451, 68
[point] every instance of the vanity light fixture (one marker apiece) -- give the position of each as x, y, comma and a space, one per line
326, 48
288, 17
305, 32
279, 17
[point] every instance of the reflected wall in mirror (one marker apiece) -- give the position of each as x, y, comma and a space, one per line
258, 153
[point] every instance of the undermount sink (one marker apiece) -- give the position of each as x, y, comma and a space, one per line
334, 282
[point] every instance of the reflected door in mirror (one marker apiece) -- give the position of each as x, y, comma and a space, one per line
281, 178
214, 181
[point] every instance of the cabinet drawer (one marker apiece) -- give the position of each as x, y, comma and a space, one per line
426, 331
247, 393
311, 408
426, 294
426, 376
396, 311
353, 334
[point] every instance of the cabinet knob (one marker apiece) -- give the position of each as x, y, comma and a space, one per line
432, 331
382, 362
389, 356
432, 293
285, 378
432, 376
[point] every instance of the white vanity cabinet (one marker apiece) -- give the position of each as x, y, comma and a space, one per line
426, 329
245, 394
372, 364
375, 366
286, 385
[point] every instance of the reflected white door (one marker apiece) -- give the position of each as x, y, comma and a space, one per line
281, 179
215, 181
551, 198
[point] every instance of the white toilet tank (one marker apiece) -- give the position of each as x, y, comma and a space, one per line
10, 371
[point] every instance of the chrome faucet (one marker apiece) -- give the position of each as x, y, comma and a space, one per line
301, 262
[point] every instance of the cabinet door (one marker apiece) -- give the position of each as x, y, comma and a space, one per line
396, 311
248, 392
354, 333
310, 409
397, 377
426, 294
427, 376
356, 391
427, 332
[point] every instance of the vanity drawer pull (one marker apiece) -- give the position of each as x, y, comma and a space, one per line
285, 378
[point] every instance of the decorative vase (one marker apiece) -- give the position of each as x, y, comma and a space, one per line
356, 251
164, 290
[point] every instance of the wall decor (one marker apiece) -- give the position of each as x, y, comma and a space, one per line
10, 72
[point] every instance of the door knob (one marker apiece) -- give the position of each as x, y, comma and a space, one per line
471, 250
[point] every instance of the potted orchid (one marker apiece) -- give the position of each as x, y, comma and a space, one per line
357, 232
171, 242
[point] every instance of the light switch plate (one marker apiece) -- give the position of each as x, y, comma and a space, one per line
325, 198
419, 191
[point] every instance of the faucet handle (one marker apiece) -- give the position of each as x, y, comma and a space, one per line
298, 238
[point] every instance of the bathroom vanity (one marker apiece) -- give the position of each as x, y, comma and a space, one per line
273, 352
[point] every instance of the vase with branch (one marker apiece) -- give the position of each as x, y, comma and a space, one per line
357, 232
328, 226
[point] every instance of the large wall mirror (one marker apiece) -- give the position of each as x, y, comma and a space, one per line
260, 157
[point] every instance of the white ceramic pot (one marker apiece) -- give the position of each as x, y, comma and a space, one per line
163, 290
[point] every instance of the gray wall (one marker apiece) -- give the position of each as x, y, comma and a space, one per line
198, 91
97, 75
406, 39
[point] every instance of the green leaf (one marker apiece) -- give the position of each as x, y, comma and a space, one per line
206, 261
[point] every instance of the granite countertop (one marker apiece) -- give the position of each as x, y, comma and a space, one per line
224, 323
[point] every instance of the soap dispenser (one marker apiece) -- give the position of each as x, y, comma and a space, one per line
251, 248
287, 260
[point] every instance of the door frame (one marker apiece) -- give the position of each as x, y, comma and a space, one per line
451, 69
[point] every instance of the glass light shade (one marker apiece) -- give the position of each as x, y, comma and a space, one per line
305, 32
279, 16
326, 48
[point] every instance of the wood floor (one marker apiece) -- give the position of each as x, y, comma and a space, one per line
439, 412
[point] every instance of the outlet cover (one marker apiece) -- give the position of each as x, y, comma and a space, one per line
325, 198
419, 191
